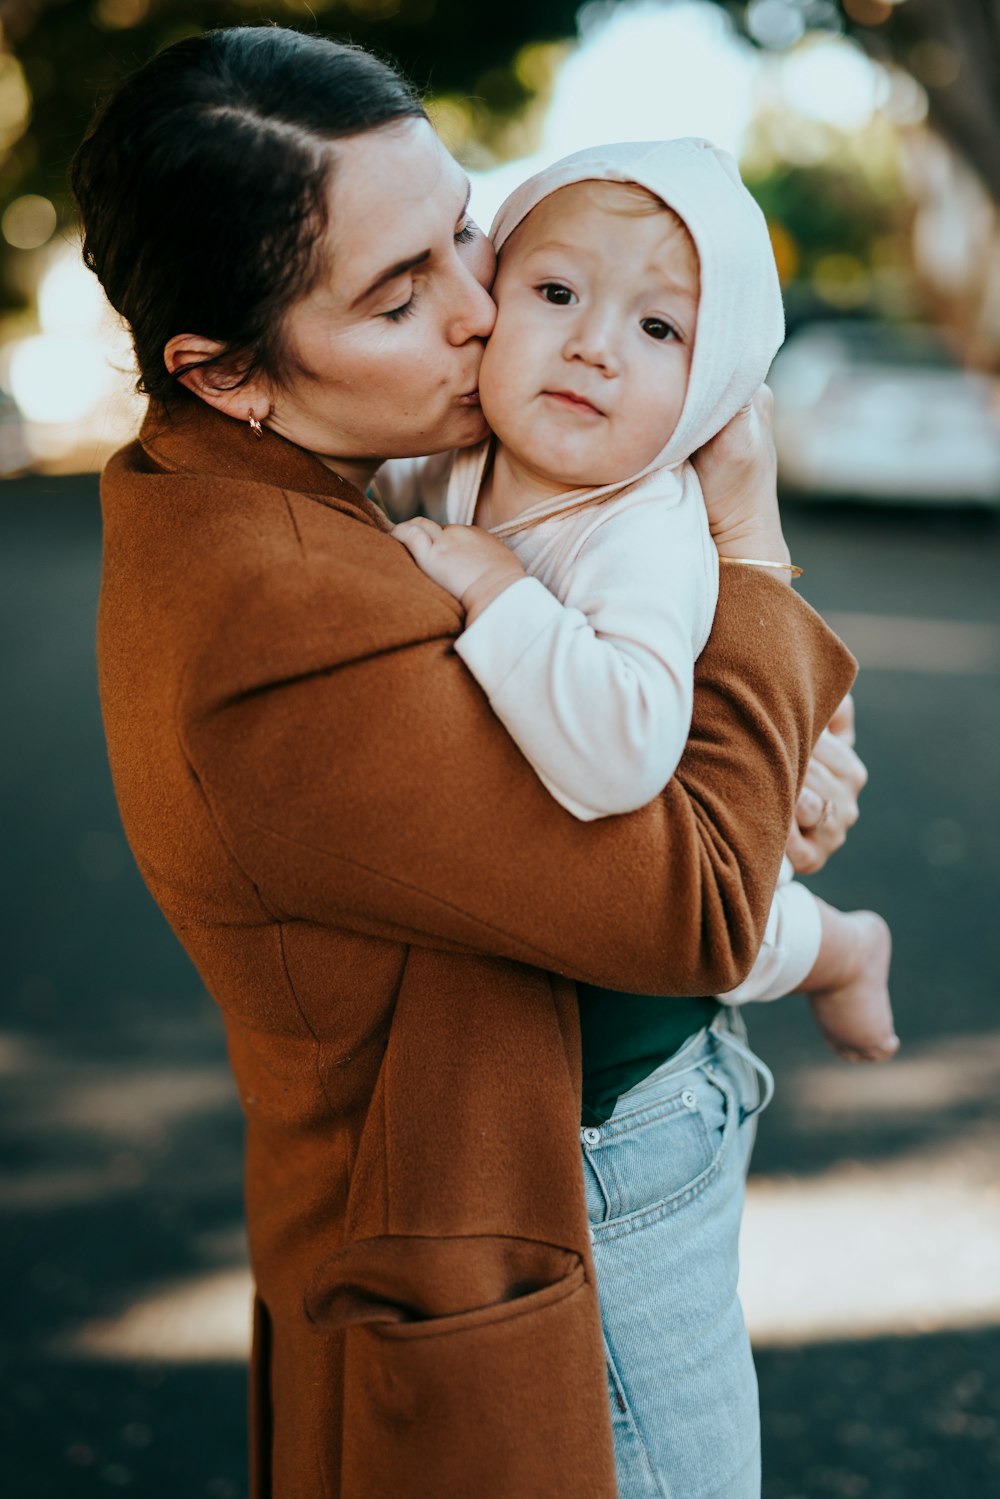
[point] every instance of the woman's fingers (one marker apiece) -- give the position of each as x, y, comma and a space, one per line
837, 787
841, 760
828, 804
818, 828
842, 722
738, 469
810, 809
826, 809
802, 853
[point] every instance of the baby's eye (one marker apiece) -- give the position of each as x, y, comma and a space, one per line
657, 328
558, 295
467, 233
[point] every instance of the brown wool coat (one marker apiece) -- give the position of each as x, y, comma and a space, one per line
391, 943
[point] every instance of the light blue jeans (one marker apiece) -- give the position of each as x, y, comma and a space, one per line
665, 1184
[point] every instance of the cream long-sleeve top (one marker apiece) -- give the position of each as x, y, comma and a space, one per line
589, 661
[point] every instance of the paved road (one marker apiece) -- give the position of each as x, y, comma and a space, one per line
122, 1139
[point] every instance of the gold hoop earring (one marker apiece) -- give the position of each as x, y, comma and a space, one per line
255, 426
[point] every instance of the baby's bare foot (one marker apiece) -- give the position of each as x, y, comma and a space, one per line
854, 1014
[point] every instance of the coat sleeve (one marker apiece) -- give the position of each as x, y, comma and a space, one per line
358, 777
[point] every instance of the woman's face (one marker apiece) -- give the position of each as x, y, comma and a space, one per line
392, 334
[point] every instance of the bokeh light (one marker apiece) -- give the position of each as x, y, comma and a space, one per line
832, 81
775, 23
29, 222
70, 299
15, 99
58, 377
119, 15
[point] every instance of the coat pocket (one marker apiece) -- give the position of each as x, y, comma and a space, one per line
472, 1365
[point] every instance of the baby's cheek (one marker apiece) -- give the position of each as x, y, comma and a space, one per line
497, 386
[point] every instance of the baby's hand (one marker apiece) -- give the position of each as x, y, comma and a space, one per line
471, 564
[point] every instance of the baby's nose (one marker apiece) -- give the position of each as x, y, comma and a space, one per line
594, 344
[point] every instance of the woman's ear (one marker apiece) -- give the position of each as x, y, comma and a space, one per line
212, 382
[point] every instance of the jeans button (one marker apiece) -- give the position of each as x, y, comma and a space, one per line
688, 1099
591, 1136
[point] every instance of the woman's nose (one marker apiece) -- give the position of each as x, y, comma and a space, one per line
471, 311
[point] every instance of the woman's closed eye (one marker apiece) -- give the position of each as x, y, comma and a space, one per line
464, 235
405, 309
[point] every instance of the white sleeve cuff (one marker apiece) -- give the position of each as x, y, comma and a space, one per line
789, 950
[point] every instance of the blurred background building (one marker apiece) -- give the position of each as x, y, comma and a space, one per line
870, 132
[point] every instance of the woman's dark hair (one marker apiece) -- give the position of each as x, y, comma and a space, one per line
202, 186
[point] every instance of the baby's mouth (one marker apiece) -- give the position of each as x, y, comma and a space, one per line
574, 402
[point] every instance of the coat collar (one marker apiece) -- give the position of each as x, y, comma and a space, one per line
190, 436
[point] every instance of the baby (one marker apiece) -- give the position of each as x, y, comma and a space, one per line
638, 310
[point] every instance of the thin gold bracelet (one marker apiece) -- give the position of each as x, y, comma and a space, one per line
796, 572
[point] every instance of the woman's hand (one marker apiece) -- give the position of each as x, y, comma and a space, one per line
738, 472
471, 564
828, 804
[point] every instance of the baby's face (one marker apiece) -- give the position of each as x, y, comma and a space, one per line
584, 376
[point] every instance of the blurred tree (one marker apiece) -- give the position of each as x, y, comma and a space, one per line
951, 47
57, 56
841, 241
69, 52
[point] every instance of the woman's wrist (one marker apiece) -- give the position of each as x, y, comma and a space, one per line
761, 544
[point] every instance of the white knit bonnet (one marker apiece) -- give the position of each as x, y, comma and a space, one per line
740, 323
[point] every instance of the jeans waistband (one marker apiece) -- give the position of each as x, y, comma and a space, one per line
727, 1029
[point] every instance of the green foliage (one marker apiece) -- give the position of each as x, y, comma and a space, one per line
824, 208
73, 51
58, 57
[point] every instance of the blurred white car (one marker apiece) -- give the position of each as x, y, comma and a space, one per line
877, 411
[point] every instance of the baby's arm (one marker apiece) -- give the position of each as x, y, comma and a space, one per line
595, 685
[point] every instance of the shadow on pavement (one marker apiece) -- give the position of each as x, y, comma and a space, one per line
122, 1135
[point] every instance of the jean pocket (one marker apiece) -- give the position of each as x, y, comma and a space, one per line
445, 1344
654, 1159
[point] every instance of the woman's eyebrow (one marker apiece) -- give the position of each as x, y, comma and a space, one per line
402, 266
399, 269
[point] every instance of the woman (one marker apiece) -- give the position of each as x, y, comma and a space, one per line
393, 951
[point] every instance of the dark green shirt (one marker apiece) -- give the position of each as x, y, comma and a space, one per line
627, 1036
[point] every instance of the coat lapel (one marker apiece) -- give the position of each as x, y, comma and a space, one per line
190, 436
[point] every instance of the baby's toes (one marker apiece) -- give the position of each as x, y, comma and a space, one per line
883, 1052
